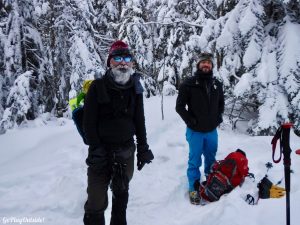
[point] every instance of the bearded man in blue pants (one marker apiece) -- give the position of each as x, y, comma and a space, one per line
203, 96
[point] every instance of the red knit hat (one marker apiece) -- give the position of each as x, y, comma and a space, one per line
118, 48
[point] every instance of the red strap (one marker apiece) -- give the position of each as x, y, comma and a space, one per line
274, 143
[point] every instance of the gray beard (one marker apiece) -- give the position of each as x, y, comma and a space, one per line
121, 75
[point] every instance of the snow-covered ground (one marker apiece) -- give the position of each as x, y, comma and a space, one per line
43, 175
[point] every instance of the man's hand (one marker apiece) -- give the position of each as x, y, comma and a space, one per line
144, 156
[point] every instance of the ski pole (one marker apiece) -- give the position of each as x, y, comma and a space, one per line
287, 166
283, 134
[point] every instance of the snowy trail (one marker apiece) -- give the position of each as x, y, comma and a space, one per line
46, 176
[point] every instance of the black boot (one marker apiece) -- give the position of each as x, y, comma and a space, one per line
94, 219
197, 185
119, 206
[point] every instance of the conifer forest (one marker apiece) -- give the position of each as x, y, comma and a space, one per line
49, 47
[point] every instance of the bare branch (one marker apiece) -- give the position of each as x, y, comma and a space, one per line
161, 23
102, 37
205, 10
174, 22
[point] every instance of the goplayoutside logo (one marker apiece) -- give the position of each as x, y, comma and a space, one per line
22, 220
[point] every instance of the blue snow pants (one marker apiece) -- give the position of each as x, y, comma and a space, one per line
200, 143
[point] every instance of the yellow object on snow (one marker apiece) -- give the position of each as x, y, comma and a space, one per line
276, 192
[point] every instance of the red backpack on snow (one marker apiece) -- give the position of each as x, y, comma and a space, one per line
225, 176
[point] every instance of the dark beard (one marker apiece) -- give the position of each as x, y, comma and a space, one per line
204, 75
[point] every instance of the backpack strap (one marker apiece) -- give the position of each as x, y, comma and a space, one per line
229, 161
228, 182
274, 143
102, 94
137, 84
233, 171
251, 175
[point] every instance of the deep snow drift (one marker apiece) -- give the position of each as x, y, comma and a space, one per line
43, 175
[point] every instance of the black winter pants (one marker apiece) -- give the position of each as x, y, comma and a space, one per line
108, 166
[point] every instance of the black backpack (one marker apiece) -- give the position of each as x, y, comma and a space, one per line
77, 116
78, 108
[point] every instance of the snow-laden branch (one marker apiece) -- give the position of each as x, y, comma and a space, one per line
174, 22
102, 37
161, 23
205, 10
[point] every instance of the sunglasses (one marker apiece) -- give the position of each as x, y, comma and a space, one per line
119, 59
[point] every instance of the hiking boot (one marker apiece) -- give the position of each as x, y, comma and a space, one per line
197, 185
194, 197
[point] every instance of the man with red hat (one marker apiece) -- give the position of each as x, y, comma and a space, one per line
113, 115
203, 96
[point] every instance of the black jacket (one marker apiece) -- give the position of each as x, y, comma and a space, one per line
205, 101
114, 113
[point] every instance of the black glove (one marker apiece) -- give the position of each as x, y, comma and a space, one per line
144, 156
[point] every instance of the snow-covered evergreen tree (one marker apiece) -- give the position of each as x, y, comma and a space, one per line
12, 44
251, 49
20, 54
134, 30
19, 103
85, 60
63, 42
178, 27
289, 64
